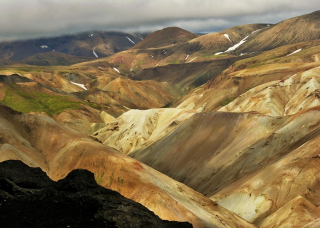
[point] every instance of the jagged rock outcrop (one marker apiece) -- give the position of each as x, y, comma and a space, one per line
29, 198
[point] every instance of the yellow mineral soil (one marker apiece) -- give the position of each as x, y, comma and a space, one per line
289, 169
41, 142
235, 157
137, 129
147, 94
279, 98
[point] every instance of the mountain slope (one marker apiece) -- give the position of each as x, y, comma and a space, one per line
221, 41
274, 65
27, 96
287, 97
53, 58
87, 44
216, 152
41, 142
271, 187
137, 129
293, 30
174, 46
64, 207
186, 76
165, 37
145, 94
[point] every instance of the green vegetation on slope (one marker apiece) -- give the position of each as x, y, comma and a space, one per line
37, 102
226, 101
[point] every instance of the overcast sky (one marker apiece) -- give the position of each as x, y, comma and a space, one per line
20, 19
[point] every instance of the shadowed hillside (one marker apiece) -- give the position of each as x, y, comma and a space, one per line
61, 203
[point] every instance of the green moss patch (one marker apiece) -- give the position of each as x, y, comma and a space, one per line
226, 101
37, 102
175, 62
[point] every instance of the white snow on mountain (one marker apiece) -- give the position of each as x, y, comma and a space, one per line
81, 85
95, 54
116, 70
192, 59
130, 40
227, 36
234, 47
296, 51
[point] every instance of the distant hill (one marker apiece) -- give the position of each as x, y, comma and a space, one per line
89, 44
290, 31
164, 37
54, 58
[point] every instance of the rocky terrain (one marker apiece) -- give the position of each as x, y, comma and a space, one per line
217, 130
40, 141
75, 201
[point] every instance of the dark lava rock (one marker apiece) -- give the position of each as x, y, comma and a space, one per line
29, 198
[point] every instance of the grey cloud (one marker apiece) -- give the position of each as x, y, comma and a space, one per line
35, 18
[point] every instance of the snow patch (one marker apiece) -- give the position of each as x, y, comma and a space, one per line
227, 36
116, 70
296, 51
151, 56
255, 31
90, 35
192, 59
95, 54
44, 46
81, 85
164, 52
234, 47
130, 40
186, 58
219, 53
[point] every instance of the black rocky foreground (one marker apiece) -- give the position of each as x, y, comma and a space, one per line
29, 198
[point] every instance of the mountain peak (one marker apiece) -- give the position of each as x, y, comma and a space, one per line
166, 36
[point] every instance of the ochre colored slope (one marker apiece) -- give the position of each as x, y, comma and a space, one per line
219, 41
165, 37
199, 152
246, 74
40, 141
241, 159
186, 76
54, 58
137, 129
265, 191
295, 213
145, 94
27, 96
294, 30
299, 92
175, 46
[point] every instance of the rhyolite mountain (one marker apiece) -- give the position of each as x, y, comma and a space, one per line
219, 130
294, 30
40, 141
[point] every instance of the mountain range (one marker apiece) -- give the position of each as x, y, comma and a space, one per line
214, 130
